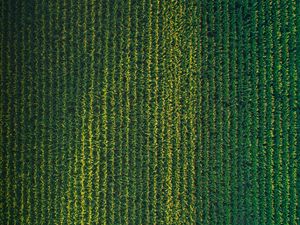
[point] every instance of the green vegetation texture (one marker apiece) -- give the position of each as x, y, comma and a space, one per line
150, 112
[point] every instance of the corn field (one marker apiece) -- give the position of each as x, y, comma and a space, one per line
150, 112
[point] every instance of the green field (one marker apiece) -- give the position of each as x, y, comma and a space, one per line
150, 112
